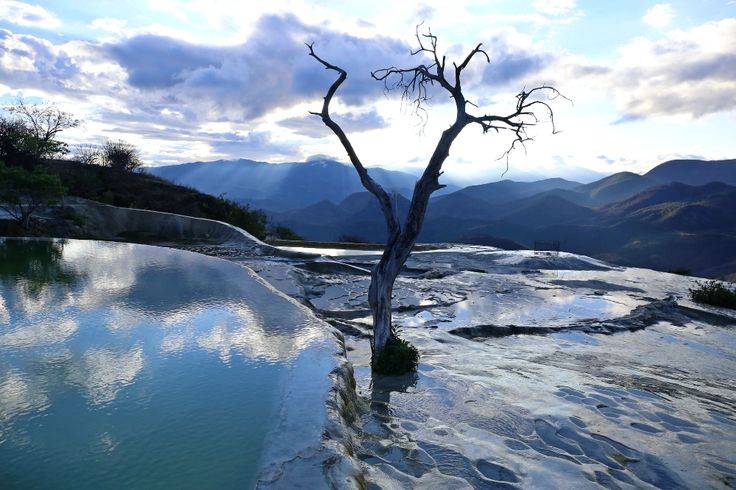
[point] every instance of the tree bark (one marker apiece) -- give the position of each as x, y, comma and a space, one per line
414, 82
380, 292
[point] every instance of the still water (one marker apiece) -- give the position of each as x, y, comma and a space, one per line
129, 366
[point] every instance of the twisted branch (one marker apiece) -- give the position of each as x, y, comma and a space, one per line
389, 213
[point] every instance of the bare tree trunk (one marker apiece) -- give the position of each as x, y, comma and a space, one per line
398, 248
414, 82
379, 299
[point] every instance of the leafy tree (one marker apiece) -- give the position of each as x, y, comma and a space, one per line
120, 155
24, 193
30, 132
414, 84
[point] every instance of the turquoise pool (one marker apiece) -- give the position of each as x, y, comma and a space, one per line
131, 366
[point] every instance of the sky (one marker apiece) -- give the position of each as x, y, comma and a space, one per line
204, 80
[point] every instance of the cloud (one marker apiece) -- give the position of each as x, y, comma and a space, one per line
25, 14
510, 66
270, 70
688, 72
107, 24
513, 57
255, 144
554, 7
156, 88
423, 13
30, 62
312, 127
659, 15
685, 73
159, 62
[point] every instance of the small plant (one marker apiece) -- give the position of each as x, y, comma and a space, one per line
714, 293
397, 357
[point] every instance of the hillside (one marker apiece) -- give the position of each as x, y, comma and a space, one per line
614, 188
144, 191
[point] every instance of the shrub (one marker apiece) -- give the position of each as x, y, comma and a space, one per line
251, 220
397, 357
714, 293
120, 155
24, 193
286, 233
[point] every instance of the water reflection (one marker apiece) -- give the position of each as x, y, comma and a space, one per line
382, 387
116, 343
19, 395
102, 373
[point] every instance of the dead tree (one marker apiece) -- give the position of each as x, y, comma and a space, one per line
414, 83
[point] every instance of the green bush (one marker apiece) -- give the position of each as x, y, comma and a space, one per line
251, 220
286, 233
714, 293
397, 357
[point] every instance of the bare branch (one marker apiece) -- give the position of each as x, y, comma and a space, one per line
415, 83
522, 118
392, 220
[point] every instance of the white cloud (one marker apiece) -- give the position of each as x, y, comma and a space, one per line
107, 24
660, 15
25, 14
554, 7
690, 73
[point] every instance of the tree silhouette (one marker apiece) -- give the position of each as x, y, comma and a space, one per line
30, 132
414, 84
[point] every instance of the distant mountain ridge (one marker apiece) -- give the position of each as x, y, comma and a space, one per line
694, 172
626, 218
679, 214
283, 186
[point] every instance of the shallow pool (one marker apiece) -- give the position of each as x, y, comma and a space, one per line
130, 366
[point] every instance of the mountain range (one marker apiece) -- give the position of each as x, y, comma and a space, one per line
282, 186
679, 215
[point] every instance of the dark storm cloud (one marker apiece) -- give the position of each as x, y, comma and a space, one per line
313, 127
159, 62
271, 69
509, 66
